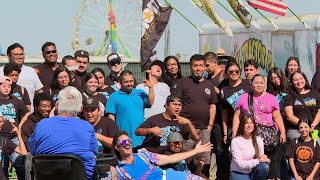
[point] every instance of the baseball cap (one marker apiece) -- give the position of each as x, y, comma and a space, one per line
91, 103
172, 98
174, 137
81, 53
5, 79
113, 57
223, 58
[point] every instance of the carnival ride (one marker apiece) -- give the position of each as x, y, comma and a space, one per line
104, 26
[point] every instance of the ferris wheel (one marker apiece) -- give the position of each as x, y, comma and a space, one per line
104, 26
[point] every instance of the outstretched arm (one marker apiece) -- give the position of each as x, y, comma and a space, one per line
174, 158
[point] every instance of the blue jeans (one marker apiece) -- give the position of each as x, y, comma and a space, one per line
260, 172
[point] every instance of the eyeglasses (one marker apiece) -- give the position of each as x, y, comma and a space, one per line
17, 55
53, 51
176, 143
113, 63
125, 142
63, 77
235, 71
223, 61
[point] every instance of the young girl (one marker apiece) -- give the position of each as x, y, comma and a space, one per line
102, 87
91, 92
304, 154
248, 159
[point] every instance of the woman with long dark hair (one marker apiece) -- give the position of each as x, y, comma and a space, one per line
302, 103
292, 65
172, 71
266, 112
102, 87
248, 159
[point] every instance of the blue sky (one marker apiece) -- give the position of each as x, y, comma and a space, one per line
32, 23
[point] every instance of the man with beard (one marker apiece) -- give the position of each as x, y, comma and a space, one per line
126, 106
46, 70
28, 77
82, 59
161, 90
198, 98
42, 108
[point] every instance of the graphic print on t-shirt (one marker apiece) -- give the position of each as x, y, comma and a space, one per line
181, 166
304, 154
8, 111
280, 98
106, 94
233, 99
17, 95
166, 131
308, 101
100, 146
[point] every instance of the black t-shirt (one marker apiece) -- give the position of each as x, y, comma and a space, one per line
305, 155
312, 101
158, 144
17, 92
14, 109
229, 96
106, 127
218, 78
106, 91
196, 100
172, 83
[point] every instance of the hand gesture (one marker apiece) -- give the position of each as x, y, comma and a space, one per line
147, 83
203, 147
309, 177
157, 131
182, 120
14, 129
298, 178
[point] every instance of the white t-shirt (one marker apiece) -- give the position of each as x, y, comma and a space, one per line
161, 91
29, 79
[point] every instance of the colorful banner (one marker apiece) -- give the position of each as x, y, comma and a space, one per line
154, 22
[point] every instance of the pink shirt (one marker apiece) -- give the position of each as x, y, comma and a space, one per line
263, 107
242, 151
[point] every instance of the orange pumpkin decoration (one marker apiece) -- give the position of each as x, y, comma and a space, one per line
304, 154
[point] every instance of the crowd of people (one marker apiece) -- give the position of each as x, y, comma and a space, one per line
212, 124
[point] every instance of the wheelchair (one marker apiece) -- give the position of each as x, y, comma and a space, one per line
69, 167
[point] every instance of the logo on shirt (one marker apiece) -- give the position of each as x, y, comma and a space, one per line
308, 101
8, 111
304, 154
207, 90
17, 95
233, 99
106, 94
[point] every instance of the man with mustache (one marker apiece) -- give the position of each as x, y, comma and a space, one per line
82, 58
198, 98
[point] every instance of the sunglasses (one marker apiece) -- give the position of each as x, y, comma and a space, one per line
115, 63
53, 51
125, 142
235, 71
223, 61
177, 143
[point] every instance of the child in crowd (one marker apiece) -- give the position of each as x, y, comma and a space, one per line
304, 154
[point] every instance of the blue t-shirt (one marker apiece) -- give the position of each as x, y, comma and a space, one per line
128, 110
66, 135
